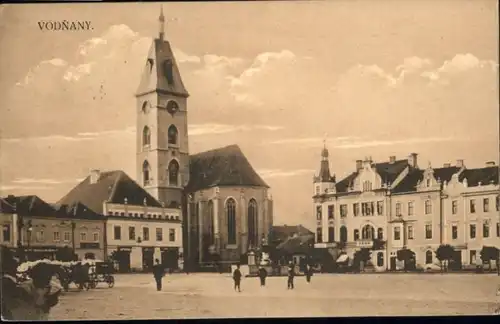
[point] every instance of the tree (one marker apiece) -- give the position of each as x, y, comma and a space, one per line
407, 256
363, 255
444, 253
489, 253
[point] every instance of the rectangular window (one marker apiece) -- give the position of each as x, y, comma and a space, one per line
131, 233
410, 208
355, 209
367, 209
372, 208
428, 207
472, 229
6, 233
145, 234
319, 235
410, 232
318, 212
398, 209
171, 234
117, 232
486, 230
454, 207
497, 203
472, 205
331, 211
67, 236
159, 234
486, 205
331, 234
40, 236
57, 236
83, 236
428, 231
95, 236
454, 232
343, 210
397, 233
498, 229
380, 208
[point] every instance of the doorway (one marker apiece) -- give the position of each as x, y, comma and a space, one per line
393, 263
123, 258
147, 259
170, 258
456, 261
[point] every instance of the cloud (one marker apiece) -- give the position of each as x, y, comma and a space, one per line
84, 136
278, 173
459, 64
29, 181
347, 142
205, 129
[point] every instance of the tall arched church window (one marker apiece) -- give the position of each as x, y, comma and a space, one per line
231, 221
146, 136
368, 232
173, 173
210, 223
146, 173
343, 234
172, 134
253, 236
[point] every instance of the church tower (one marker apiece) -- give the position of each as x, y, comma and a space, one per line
324, 182
162, 160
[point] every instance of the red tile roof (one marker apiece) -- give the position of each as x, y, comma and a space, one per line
226, 166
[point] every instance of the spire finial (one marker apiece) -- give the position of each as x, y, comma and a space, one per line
162, 23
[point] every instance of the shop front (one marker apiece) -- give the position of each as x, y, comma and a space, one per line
170, 257
122, 259
148, 254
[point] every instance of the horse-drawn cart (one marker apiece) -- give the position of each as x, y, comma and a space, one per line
102, 272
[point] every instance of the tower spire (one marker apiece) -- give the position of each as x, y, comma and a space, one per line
162, 23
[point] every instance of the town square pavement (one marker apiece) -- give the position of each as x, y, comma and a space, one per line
212, 296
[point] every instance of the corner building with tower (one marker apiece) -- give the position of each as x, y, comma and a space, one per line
394, 205
226, 207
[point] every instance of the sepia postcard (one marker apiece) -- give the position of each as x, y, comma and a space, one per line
249, 159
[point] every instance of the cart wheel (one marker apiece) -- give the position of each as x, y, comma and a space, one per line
111, 282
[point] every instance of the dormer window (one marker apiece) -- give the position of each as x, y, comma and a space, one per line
367, 186
169, 73
150, 64
428, 182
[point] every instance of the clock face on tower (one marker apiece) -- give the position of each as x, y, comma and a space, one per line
172, 107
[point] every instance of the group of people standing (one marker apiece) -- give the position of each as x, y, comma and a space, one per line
262, 274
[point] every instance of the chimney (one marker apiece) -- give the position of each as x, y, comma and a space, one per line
94, 176
412, 160
490, 163
392, 159
447, 165
460, 163
359, 165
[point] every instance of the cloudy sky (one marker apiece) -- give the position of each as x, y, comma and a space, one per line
375, 78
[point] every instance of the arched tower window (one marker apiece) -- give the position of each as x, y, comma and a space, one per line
343, 234
368, 232
210, 223
169, 71
231, 221
146, 170
172, 134
146, 136
253, 235
145, 106
173, 173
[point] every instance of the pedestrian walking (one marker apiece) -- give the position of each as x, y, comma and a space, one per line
237, 278
158, 273
262, 276
309, 272
291, 275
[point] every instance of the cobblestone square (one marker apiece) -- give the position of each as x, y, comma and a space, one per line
212, 296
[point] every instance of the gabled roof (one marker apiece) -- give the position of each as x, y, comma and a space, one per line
409, 183
486, 176
31, 205
113, 187
446, 173
388, 171
226, 166
5, 207
77, 210
156, 79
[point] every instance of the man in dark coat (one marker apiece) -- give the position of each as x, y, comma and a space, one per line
291, 275
237, 278
262, 276
158, 273
309, 272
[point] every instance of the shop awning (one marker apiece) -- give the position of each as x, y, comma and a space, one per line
343, 258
